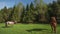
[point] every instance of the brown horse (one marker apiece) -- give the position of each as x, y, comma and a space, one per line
53, 24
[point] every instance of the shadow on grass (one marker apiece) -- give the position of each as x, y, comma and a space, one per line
36, 30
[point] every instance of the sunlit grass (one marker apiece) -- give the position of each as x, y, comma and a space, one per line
28, 29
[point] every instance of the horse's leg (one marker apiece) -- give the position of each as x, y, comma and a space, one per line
7, 24
51, 27
12, 24
54, 28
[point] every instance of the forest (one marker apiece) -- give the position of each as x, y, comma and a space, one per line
35, 12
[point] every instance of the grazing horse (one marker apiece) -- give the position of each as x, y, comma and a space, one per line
53, 24
10, 22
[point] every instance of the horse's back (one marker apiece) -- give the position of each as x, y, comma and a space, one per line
10, 22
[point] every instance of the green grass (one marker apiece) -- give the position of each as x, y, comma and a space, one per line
28, 29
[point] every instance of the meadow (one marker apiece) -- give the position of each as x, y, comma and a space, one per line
27, 29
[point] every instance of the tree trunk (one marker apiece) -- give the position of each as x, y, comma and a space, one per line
6, 25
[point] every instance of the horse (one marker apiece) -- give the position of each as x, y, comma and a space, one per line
53, 24
11, 22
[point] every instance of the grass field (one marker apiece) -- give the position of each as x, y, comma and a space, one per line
28, 29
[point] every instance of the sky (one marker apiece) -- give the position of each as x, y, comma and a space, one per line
11, 3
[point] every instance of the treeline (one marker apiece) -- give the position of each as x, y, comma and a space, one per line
35, 12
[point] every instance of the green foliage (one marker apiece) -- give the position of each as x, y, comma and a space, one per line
30, 13
36, 11
17, 12
5, 15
